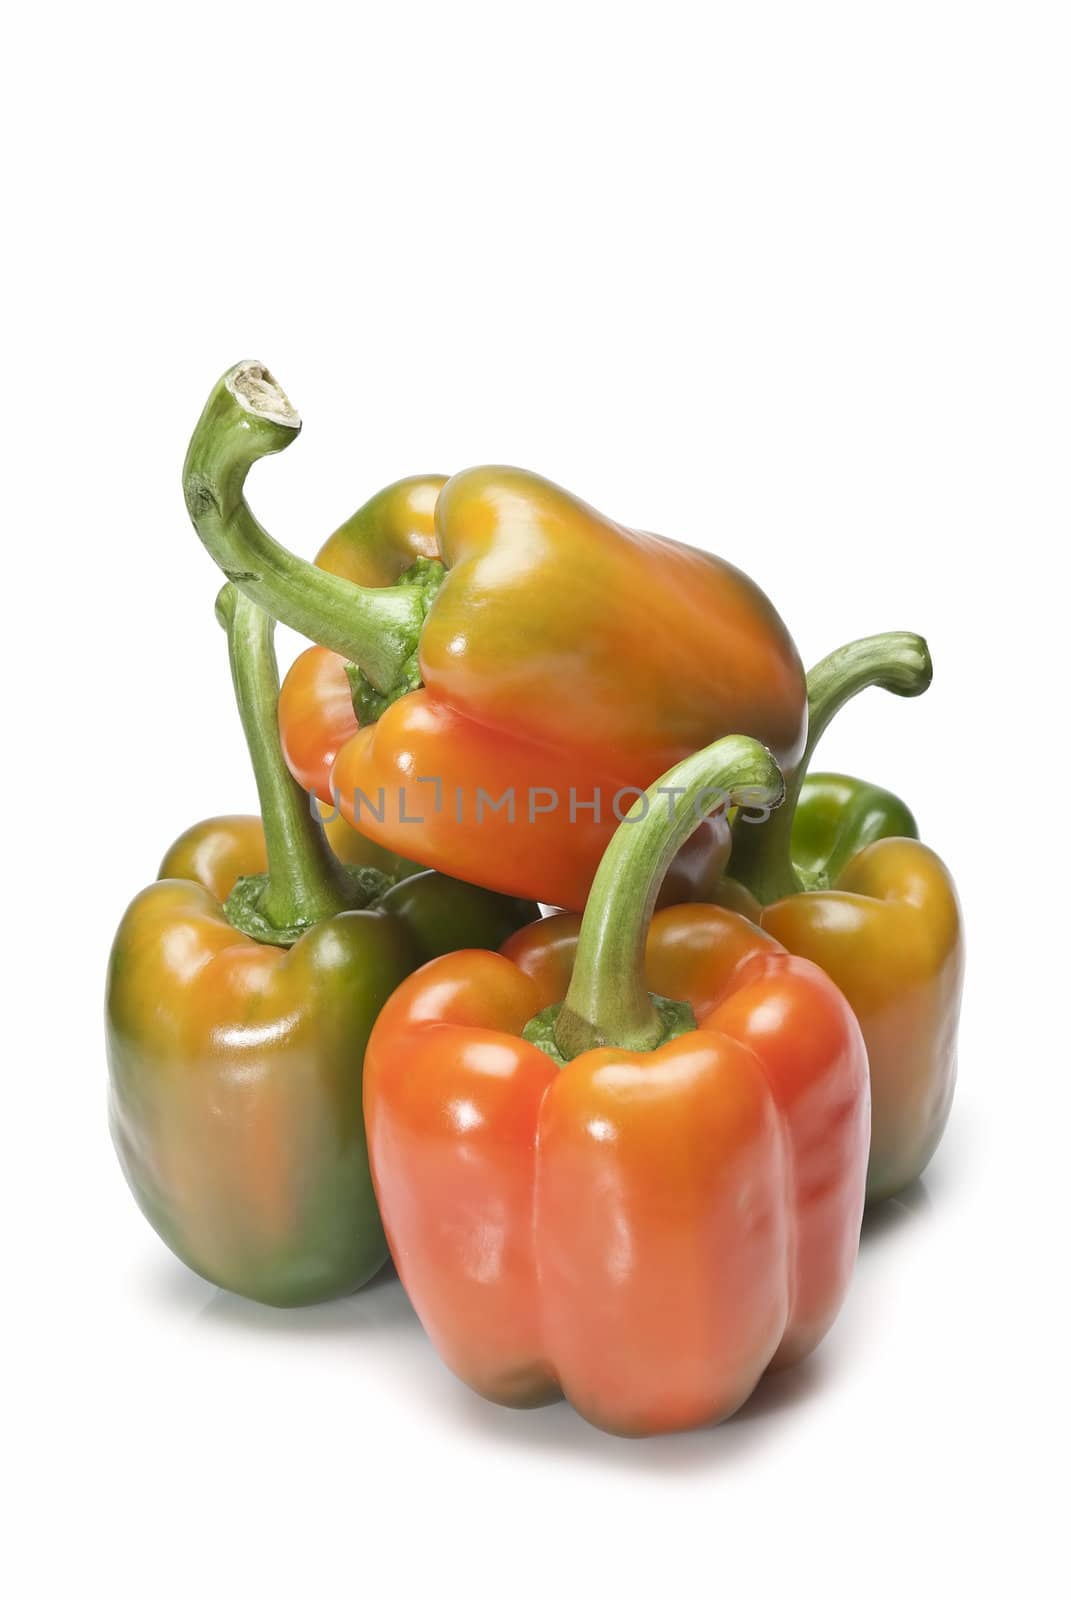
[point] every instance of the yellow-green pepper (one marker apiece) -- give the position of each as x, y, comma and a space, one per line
242, 988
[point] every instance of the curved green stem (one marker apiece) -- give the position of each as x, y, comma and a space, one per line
608, 1001
248, 416
305, 881
898, 662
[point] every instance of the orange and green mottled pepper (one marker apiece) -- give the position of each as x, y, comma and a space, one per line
520, 666
838, 875
242, 988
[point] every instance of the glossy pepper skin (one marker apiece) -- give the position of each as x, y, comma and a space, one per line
875, 909
220, 850
317, 720
644, 1227
236, 1060
518, 691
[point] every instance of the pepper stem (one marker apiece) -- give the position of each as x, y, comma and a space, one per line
608, 1001
305, 881
899, 662
248, 416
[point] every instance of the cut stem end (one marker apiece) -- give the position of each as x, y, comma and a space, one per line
262, 395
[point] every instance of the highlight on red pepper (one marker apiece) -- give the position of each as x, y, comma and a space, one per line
624, 1159
838, 875
242, 988
516, 690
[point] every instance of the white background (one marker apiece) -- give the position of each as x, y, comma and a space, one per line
791, 281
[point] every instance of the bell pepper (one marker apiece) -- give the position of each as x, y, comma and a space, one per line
316, 712
516, 694
837, 874
623, 1160
241, 991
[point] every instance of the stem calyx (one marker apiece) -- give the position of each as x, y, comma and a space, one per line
608, 1002
425, 577
245, 906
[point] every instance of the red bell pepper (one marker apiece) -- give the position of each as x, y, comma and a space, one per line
640, 1200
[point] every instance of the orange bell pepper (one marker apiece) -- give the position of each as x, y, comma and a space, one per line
517, 689
640, 1200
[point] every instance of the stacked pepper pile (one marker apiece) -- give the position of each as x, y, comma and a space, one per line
618, 1152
